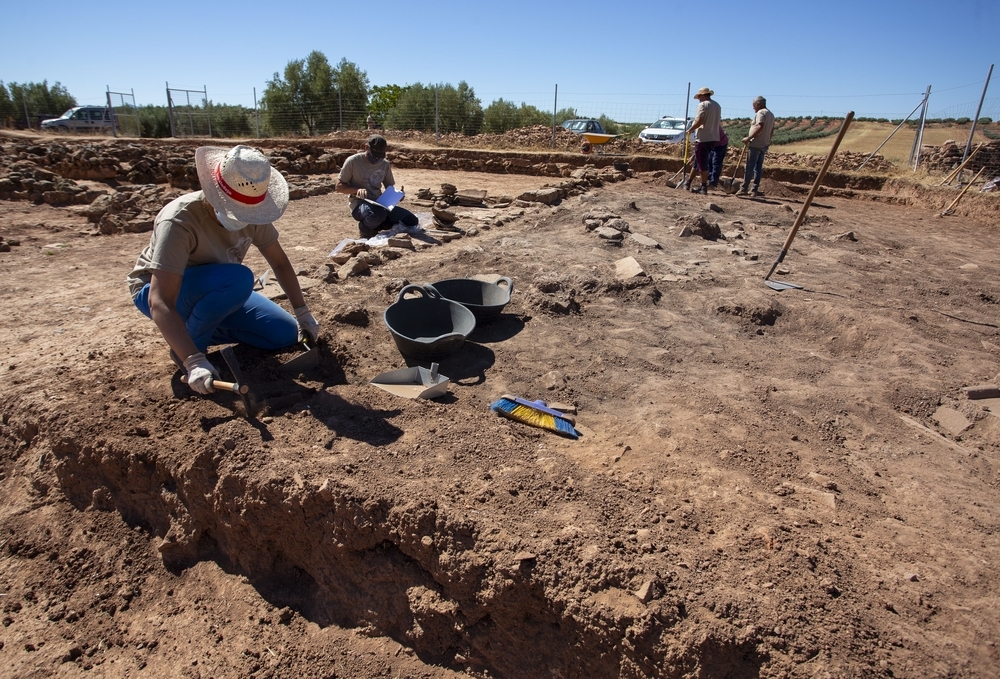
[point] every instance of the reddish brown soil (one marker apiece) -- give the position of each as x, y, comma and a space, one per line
767, 484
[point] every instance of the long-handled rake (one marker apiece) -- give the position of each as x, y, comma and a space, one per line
780, 285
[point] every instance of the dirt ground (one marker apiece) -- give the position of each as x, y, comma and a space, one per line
767, 484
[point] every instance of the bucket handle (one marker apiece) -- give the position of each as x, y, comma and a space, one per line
426, 290
509, 282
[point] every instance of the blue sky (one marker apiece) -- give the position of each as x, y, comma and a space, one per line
631, 61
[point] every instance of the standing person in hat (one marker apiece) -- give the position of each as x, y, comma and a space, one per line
759, 139
190, 279
362, 178
706, 128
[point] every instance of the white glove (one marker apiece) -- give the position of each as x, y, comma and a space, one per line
200, 373
307, 323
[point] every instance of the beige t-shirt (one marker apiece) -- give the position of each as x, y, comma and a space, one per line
709, 131
186, 233
361, 174
761, 129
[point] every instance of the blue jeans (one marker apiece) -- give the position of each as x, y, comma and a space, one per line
374, 218
219, 306
715, 162
755, 167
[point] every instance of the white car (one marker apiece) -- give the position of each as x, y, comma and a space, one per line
82, 119
666, 130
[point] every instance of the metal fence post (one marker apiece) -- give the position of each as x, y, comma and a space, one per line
555, 111
170, 112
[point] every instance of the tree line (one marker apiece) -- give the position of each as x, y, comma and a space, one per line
312, 97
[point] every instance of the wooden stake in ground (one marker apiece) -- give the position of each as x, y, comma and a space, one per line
947, 210
778, 285
954, 173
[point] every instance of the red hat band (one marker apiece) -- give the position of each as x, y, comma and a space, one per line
233, 193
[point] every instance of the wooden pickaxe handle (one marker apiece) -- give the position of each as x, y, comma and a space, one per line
212, 383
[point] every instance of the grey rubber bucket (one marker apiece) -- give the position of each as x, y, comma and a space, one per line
428, 326
484, 300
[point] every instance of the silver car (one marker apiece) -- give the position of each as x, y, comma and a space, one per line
666, 130
82, 119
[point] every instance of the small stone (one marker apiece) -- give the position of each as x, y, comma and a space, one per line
645, 592
910, 577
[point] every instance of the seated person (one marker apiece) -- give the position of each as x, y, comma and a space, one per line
362, 177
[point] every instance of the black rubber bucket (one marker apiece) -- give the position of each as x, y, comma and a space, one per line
485, 300
428, 326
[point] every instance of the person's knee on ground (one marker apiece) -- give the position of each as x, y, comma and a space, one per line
209, 294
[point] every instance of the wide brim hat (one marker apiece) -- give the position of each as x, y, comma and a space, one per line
704, 91
242, 182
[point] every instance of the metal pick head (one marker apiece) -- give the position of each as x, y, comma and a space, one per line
244, 392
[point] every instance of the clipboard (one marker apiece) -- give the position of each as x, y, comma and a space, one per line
389, 198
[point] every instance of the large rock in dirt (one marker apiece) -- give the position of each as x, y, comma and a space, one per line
548, 196
695, 225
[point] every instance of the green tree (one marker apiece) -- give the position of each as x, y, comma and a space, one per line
350, 95
232, 121
8, 109
610, 126
500, 116
458, 109
304, 98
154, 121
564, 114
382, 99
41, 100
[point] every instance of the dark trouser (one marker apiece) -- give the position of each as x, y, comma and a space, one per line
702, 154
716, 160
374, 218
755, 167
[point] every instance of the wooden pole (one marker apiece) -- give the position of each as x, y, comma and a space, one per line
812, 193
954, 173
948, 209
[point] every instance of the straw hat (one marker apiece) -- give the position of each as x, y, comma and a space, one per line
703, 92
241, 182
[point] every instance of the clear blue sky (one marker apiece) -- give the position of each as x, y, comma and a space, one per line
631, 61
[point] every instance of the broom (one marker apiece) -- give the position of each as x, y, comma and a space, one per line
534, 413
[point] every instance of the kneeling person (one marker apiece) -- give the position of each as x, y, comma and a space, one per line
190, 279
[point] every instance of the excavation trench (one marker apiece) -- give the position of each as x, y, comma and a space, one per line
431, 579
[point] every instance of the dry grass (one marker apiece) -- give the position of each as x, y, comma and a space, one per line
865, 137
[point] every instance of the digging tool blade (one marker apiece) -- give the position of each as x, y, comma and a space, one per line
781, 285
234, 367
308, 359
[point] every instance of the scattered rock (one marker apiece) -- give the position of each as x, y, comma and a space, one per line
951, 420
982, 391
627, 269
695, 225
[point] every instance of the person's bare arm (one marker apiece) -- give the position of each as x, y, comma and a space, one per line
349, 190
163, 291
755, 128
283, 271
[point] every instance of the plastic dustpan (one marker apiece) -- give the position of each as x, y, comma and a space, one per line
414, 382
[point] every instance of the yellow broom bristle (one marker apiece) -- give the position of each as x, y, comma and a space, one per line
533, 417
